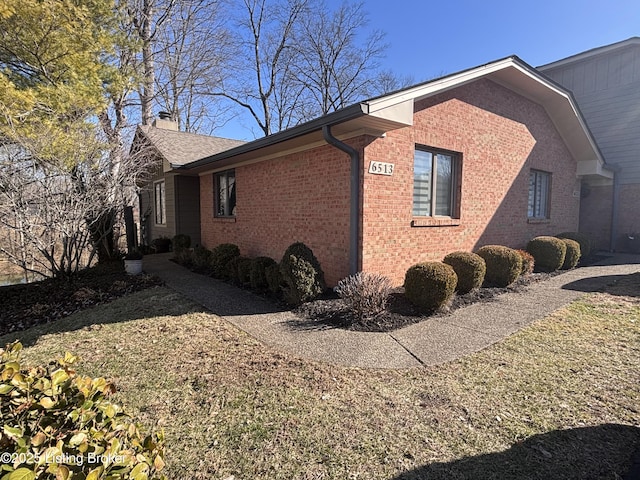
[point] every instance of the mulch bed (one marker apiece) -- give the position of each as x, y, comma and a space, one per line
24, 306
400, 312
332, 311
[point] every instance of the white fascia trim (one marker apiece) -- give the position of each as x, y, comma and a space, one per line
452, 81
590, 53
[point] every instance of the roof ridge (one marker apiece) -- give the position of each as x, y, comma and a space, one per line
201, 135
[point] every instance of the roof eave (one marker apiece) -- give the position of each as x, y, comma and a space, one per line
590, 53
395, 110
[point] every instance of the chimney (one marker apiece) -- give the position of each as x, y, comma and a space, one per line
165, 122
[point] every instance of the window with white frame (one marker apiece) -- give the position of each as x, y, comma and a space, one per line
539, 194
435, 183
225, 194
159, 199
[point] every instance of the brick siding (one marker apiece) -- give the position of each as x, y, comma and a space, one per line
299, 197
501, 136
305, 196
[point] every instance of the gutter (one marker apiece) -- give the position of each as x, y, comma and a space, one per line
343, 115
354, 210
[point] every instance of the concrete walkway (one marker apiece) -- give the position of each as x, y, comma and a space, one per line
430, 342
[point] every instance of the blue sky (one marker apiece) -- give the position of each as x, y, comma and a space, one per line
427, 39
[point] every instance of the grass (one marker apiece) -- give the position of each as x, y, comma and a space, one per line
559, 399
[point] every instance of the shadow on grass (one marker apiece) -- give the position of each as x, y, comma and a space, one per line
219, 297
602, 452
148, 303
620, 285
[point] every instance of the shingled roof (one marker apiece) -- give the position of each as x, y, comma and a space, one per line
181, 148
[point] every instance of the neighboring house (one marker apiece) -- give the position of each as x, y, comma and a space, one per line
491, 155
170, 203
605, 82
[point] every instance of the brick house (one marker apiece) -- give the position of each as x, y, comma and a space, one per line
605, 82
170, 202
491, 155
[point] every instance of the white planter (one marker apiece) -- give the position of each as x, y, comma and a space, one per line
133, 267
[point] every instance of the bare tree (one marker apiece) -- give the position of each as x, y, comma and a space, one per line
332, 63
294, 60
264, 32
51, 208
146, 16
190, 49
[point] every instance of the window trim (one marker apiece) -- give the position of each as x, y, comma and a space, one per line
162, 212
456, 186
216, 194
547, 212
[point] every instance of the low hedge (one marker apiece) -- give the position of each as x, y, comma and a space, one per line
504, 265
258, 272
528, 262
220, 258
430, 285
548, 252
586, 244
302, 277
572, 257
470, 269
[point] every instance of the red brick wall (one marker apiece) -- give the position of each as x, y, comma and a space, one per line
501, 136
300, 197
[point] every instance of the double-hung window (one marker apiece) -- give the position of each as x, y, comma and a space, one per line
225, 193
158, 195
435, 183
539, 194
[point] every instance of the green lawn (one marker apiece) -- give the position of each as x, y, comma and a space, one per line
559, 399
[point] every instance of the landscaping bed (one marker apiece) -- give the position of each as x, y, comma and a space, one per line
27, 305
400, 312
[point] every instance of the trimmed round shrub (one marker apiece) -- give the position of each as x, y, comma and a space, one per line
572, 257
548, 252
258, 273
503, 264
528, 262
274, 279
586, 245
430, 285
183, 256
161, 245
470, 269
302, 277
51, 411
201, 259
238, 270
181, 242
221, 256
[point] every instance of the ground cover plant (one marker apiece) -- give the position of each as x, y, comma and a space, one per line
58, 423
559, 399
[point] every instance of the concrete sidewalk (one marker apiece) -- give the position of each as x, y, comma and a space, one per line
430, 342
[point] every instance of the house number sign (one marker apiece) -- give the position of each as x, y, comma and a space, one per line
381, 168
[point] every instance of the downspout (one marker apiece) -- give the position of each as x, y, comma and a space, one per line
354, 211
615, 206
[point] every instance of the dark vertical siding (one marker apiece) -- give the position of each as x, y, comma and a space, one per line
187, 198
